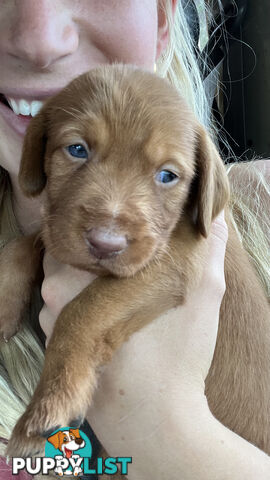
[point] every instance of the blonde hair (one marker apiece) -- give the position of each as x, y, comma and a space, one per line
249, 202
179, 64
250, 187
22, 358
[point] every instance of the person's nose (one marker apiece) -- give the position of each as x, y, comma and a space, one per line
41, 32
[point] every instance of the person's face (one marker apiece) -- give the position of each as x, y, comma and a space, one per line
44, 44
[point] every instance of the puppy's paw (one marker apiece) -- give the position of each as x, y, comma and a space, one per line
13, 301
21, 445
27, 438
16, 265
10, 318
40, 420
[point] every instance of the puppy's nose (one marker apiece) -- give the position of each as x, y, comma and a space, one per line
103, 243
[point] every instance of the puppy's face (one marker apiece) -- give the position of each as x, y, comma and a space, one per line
117, 150
67, 441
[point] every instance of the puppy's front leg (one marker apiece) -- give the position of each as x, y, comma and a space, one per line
20, 266
86, 334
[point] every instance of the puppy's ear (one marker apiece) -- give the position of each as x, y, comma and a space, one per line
32, 177
75, 432
55, 439
211, 187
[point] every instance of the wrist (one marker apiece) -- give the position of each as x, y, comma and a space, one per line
176, 436
156, 431
210, 451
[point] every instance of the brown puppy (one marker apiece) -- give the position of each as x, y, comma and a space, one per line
133, 183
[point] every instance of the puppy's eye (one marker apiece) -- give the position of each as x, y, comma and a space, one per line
165, 176
77, 150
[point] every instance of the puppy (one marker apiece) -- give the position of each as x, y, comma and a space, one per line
133, 183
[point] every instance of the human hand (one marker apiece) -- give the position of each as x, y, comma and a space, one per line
63, 282
155, 382
161, 369
60, 285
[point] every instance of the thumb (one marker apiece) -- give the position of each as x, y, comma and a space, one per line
217, 241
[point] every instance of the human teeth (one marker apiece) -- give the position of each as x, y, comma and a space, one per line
23, 107
35, 107
14, 106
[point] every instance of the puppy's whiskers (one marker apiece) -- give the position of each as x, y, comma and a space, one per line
70, 112
165, 251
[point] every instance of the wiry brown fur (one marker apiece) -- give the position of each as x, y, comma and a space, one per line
134, 124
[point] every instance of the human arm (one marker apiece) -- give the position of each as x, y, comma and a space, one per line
150, 403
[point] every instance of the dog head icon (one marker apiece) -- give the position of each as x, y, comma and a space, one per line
67, 441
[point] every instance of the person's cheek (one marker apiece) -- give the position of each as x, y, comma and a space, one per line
124, 31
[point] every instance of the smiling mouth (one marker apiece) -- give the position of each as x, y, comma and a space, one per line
22, 107
68, 452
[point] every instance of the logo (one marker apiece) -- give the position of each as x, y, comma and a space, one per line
68, 451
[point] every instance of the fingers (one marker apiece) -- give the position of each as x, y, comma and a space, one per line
219, 230
213, 276
47, 321
203, 305
61, 284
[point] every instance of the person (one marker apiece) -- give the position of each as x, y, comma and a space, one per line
150, 403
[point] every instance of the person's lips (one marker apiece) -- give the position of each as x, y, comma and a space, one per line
18, 108
18, 123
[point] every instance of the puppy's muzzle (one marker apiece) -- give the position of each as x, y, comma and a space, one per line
104, 243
